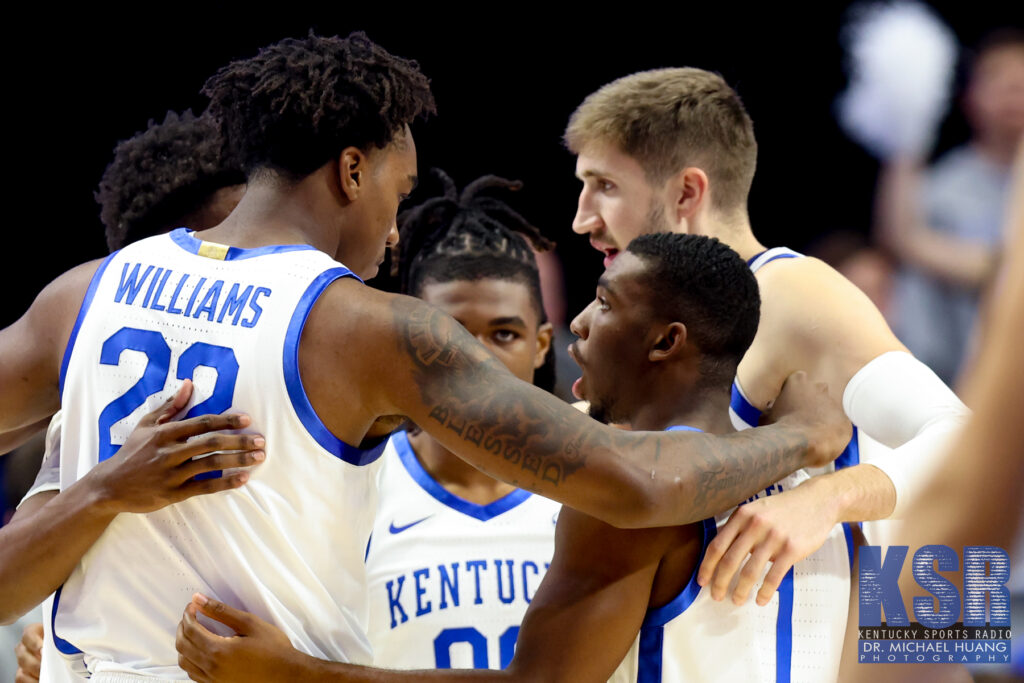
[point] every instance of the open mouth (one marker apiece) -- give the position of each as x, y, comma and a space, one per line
609, 252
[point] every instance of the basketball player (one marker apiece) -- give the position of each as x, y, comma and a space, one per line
673, 150
176, 172
456, 556
261, 314
658, 348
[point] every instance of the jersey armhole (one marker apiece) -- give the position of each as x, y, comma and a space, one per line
83, 309
659, 616
353, 455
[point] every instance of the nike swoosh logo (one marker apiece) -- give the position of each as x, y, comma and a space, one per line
399, 529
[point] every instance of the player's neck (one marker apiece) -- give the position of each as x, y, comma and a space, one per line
706, 410
274, 212
733, 230
455, 475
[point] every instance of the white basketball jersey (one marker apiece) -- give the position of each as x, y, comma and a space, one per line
797, 636
288, 546
745, 415
450, 580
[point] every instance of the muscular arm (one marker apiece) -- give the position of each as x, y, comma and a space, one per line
579, 626
401, 356
31, 351
815, 319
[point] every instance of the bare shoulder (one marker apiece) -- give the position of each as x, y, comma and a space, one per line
813, 319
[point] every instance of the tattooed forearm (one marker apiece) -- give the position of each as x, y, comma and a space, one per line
471, 394
523, 435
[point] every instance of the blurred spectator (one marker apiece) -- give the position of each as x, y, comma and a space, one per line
944, 224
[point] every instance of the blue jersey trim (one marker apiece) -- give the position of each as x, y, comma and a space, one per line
780, 252
86, 302
185, 239
848, 533
297, 393
427, 483
784, 631
659, 616
851, 454
742, 407
63, 646
652, 645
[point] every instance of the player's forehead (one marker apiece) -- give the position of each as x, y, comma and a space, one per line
626, 279
607, 160
486, 299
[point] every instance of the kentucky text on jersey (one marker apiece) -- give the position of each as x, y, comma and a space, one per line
190, 296
450, 585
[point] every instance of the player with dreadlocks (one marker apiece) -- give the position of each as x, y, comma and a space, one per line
440, 519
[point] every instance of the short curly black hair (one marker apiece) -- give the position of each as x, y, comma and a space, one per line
298, 103
704, 284
468, 236
162, 174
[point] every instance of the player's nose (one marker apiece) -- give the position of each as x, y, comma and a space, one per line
587, 219
580, 325
393, 237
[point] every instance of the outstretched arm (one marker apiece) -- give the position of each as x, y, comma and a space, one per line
421, 363
579, 626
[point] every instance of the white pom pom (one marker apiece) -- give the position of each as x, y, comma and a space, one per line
901, 63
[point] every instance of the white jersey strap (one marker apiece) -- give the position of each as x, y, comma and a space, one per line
770, 255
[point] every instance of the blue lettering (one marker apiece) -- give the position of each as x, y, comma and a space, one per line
152, 284
452, 584
195, 293
421, 591
927, 578
526, 585
257, 310
977, 584
131, 284
233, 303
209, 305
393, 601
879, 586
501, 584
177, 292
159, 290
476, 566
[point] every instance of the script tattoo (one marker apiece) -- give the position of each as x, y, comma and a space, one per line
471, 394
538, 442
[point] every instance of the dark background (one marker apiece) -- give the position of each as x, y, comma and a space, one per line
506, 77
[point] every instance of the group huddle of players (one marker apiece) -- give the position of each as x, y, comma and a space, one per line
319, 542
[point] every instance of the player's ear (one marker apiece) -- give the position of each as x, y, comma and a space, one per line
544, 335
351, 172
689, 191
668, 343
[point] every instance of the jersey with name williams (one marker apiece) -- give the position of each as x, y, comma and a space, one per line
450, 580
288, 545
